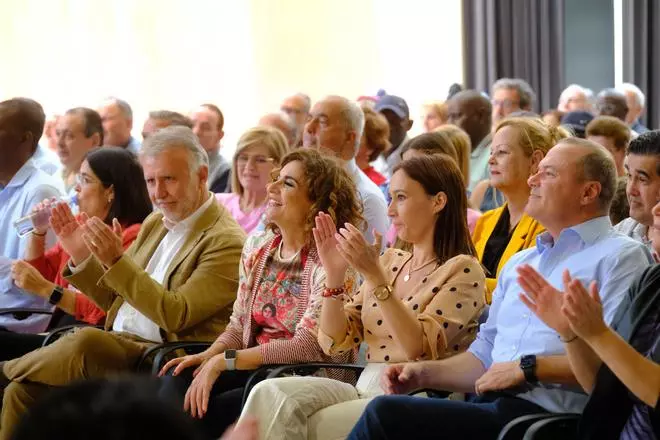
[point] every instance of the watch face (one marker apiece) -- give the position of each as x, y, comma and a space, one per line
230, 354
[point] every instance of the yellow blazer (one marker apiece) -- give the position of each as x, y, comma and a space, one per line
195, 300
523, 237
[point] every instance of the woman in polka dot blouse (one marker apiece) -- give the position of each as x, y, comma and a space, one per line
416, 305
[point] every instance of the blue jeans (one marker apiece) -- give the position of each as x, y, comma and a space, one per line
408, 417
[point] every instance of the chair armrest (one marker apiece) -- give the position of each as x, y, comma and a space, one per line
563, 426
57, 333
161, 351
21, 314
516, 428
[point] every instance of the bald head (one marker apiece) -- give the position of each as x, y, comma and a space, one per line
471, 111
336, 124
284, 123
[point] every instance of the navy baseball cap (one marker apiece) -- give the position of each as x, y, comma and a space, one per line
577, 121
396, 104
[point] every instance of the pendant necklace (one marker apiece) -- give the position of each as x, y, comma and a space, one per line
411, 270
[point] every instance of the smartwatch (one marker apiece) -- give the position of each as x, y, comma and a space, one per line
56, 295
528, 366
230, 359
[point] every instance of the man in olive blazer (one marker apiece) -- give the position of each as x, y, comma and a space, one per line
177, 281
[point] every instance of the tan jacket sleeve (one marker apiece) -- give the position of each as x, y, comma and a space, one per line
87, 280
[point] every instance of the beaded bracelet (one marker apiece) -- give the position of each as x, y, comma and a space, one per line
333, 292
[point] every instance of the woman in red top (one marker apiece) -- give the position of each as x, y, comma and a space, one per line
110, 185
375, 140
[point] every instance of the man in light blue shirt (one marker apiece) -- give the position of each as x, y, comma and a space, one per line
517, 365
22, 186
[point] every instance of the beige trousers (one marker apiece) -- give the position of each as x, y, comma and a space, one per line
310, 408
83, 354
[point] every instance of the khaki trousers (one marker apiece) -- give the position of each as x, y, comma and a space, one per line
86, 353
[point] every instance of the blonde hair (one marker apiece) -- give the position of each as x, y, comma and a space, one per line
534, 134
437, 107
269, 137
463, 146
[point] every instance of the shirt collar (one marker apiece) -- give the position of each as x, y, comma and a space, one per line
483, 145
189, 221
587, 232
23, 174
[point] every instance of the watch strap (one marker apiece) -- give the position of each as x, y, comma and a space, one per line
230, 360
528, 366
56, 295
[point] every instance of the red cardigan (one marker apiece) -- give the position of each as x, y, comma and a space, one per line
52, 263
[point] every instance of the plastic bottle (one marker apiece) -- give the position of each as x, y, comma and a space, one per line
39, 219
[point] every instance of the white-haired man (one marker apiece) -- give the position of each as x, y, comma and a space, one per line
336, 124
575, 98
297, 107
176, 282
636, 101
284, 123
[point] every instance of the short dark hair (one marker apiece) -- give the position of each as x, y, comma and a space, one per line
128, 409
215, 109
91, 119
174, 118
611, 127
119, 168
28, 116
646, 144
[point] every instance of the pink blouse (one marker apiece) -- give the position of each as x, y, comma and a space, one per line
247, 221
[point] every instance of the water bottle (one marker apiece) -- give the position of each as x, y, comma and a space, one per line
39, 219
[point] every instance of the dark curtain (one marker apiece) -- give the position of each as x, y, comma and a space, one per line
515, 39
641, 53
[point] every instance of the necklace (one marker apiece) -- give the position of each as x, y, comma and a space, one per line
281, 258
411, 270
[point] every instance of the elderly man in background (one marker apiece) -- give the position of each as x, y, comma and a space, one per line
335, 126
117, 117
208, 124
284, 123
297, 107
161, 119
176, 282
22, 186
575, 98
510, 95
635, 100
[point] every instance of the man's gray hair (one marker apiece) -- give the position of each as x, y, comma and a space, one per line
176, 136
597, 165
525, 92
307, 100
588, 93
354, 118
629, 87
124, 106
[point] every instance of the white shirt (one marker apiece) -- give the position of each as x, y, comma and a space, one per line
373, 202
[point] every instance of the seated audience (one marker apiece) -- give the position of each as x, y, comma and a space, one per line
461, 142
612, 134
78, 130
509, 95
620, 209
297, 107
513, 375
471, 111
375, 140
284, 123
434, 114
577, 122
164, 118
611, 102
22, 185
643, 174
552, 117
281, 287
258, 152
575, 98
416, 305
176, 282
618, 366
519, 144
110, 186
117, 118
395, 110
208, 123
635, 100
335, 127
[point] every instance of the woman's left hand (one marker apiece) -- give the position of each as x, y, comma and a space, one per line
364, 257
28, 278
584, 310
197, 397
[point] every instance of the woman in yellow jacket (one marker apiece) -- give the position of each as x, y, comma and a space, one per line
517, 147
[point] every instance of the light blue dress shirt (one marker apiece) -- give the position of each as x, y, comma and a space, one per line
479, 158
590, 251
29, 186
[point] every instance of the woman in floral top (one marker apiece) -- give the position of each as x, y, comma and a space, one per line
417, 305
281, 281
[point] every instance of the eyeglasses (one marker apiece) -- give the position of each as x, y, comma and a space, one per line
506, 104
259, 159
84, 180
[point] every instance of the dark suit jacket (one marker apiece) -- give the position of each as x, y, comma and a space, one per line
609, 405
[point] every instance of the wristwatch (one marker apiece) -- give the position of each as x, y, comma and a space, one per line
528, 366
383, 292
230, 359
56, 295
